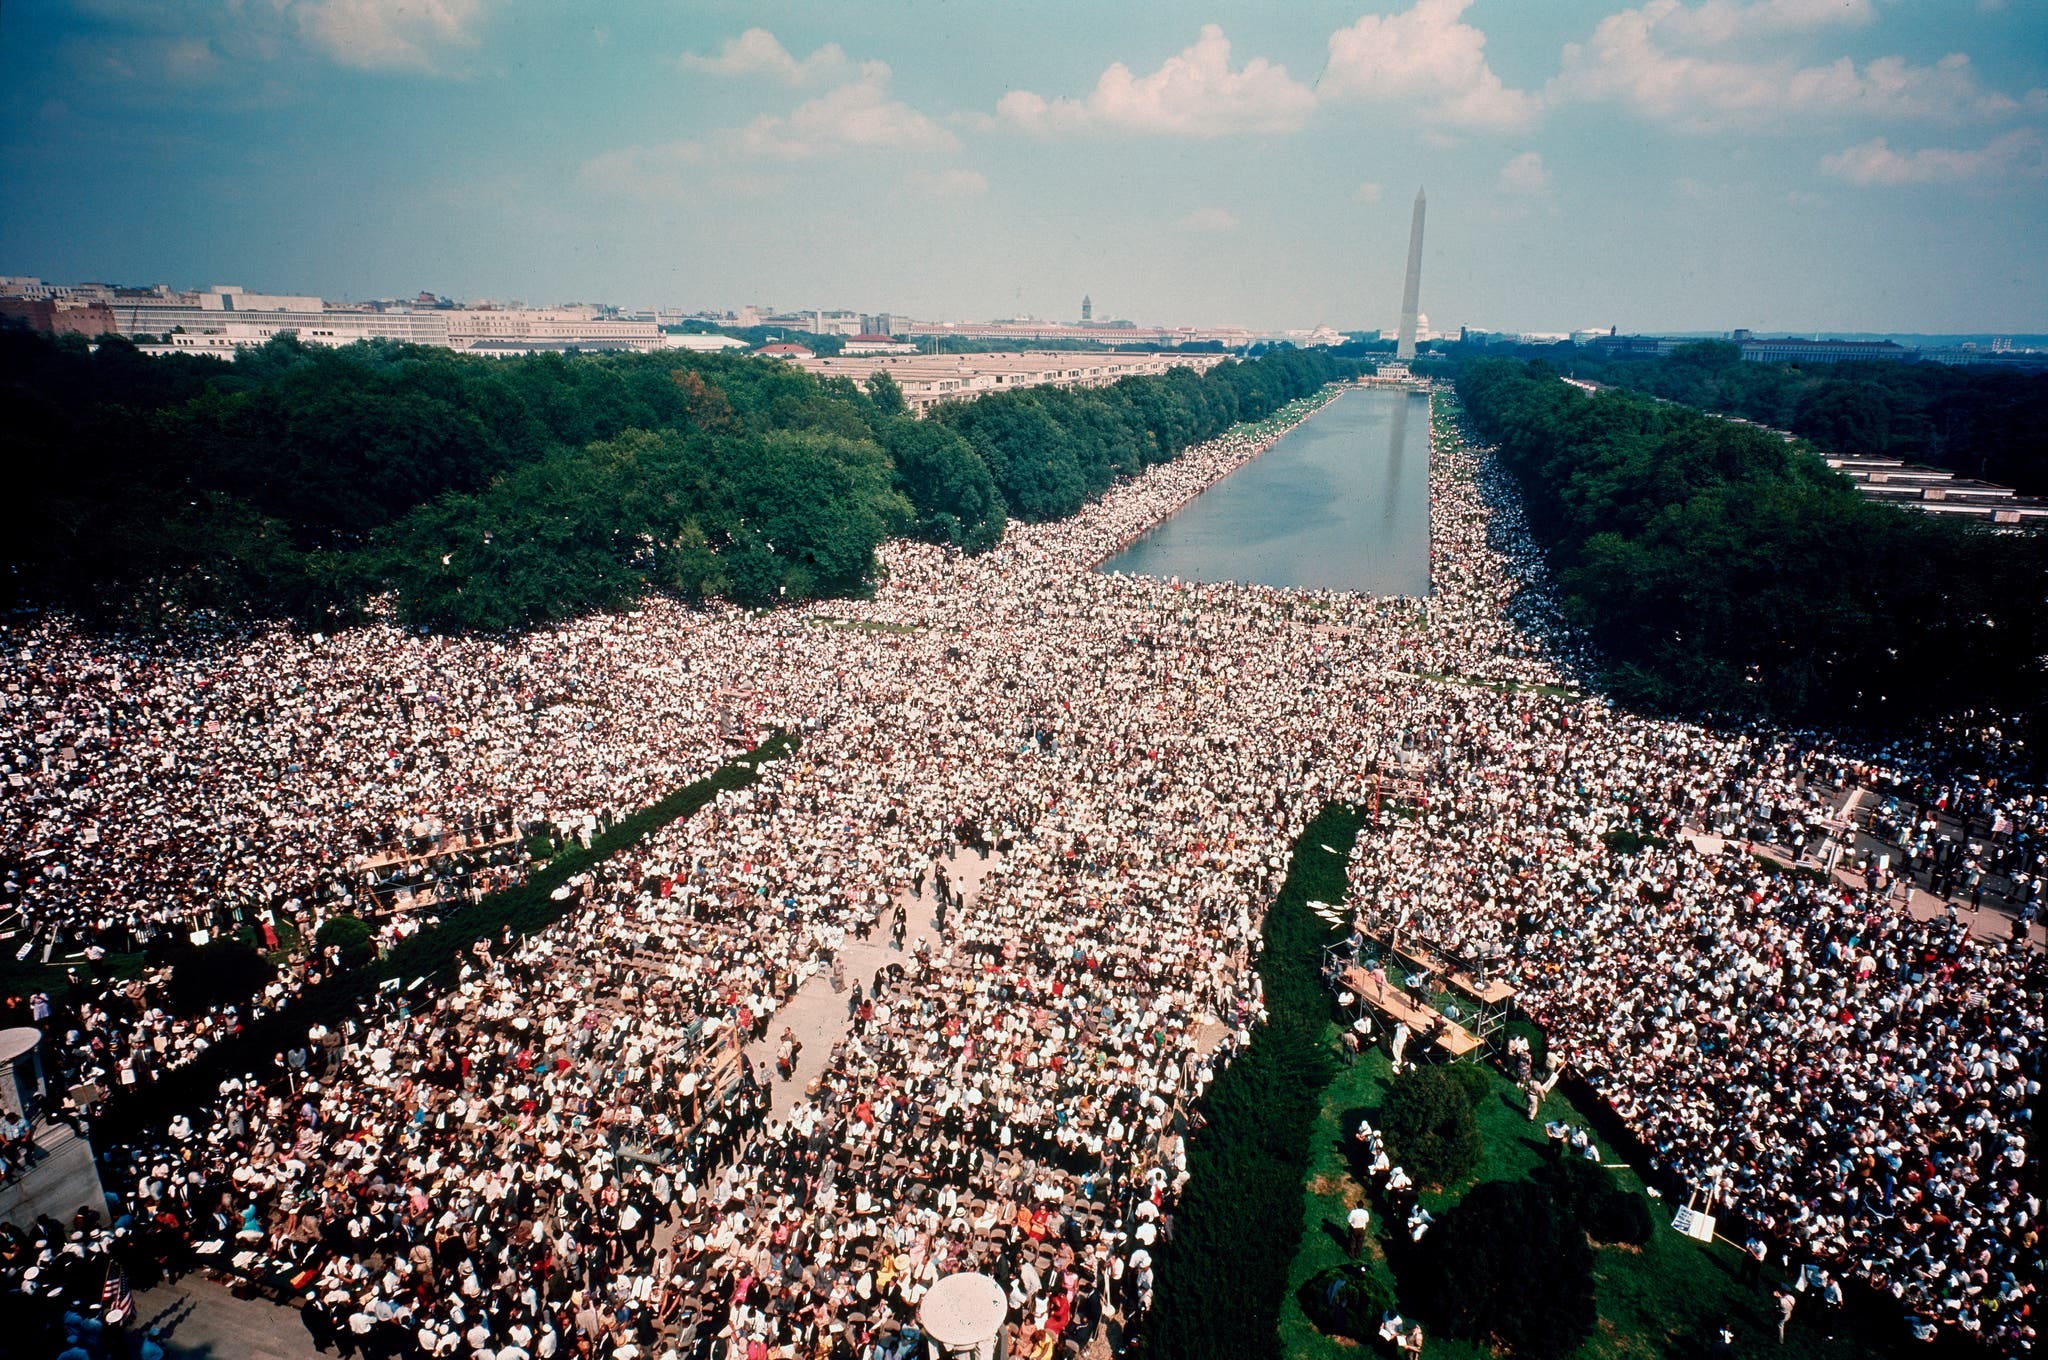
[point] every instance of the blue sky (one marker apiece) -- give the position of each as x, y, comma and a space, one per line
1779, 164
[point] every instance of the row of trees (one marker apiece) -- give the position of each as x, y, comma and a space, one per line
1050, 450
303, 482
1721, 569
1978, 423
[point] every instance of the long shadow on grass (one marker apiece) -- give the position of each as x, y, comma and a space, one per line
1347, 1140
1220, 1289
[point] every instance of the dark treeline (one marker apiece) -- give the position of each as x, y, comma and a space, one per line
1724, 570
1974, 422
303, 482
1050, 450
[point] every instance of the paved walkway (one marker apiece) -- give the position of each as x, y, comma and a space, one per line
1991, 922
817, 1014
197, 1319
200, 1320
1996, 920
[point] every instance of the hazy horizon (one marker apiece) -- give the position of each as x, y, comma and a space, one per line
1783, 165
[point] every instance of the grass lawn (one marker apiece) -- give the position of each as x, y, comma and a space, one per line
27, 976
31, 975
1664, 1299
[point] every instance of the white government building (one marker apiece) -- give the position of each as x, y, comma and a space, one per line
219, 320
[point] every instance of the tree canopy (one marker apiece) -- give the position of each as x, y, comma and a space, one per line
1978, 422
1724, 570
1429, 1125
1051, 450
304, 482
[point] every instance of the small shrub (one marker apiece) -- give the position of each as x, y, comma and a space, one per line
224, 973
1474, 1080
1618, 1217
1429, 1126
351, 934
1539, 1042
1347, 1300
1603, 1210
1573, 1181
1623, 841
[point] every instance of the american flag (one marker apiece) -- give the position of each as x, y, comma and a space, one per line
114, 1294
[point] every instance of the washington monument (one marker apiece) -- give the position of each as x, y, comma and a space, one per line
1411, 292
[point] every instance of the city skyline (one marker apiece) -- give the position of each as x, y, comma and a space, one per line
1798, 165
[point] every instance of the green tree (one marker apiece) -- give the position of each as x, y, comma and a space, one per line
886, 395
1429, 1126
1587, 1192
224, 972
1721, 569
1846, 417
351, 935
953, 498
1347, 1300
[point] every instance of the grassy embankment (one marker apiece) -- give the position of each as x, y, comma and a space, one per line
1221, 1285
1271, 1185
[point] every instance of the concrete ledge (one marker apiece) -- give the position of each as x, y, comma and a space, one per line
57, 1185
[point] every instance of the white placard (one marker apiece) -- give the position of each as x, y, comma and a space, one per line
1694, 1224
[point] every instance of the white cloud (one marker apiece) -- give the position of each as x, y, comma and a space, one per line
229, 44
1524, 175
947, 183
404, 35
1210, 219
168, 61
1720, 21
1626, 60
857, 116
859, 113
758, 52
1194, 93
190, 59
2019, 154
1428, 56
1367, 192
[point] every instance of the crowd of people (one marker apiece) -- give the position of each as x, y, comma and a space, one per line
569, 1150
1855, 1082
256, 783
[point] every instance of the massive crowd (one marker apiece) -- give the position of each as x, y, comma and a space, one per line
570, 1151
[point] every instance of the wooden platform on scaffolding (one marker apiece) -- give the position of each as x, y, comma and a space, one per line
1395, 1004
1492, 992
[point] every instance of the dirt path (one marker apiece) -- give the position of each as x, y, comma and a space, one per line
817, 1014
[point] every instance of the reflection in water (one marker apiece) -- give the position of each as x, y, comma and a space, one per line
1340, 503
1395, 440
